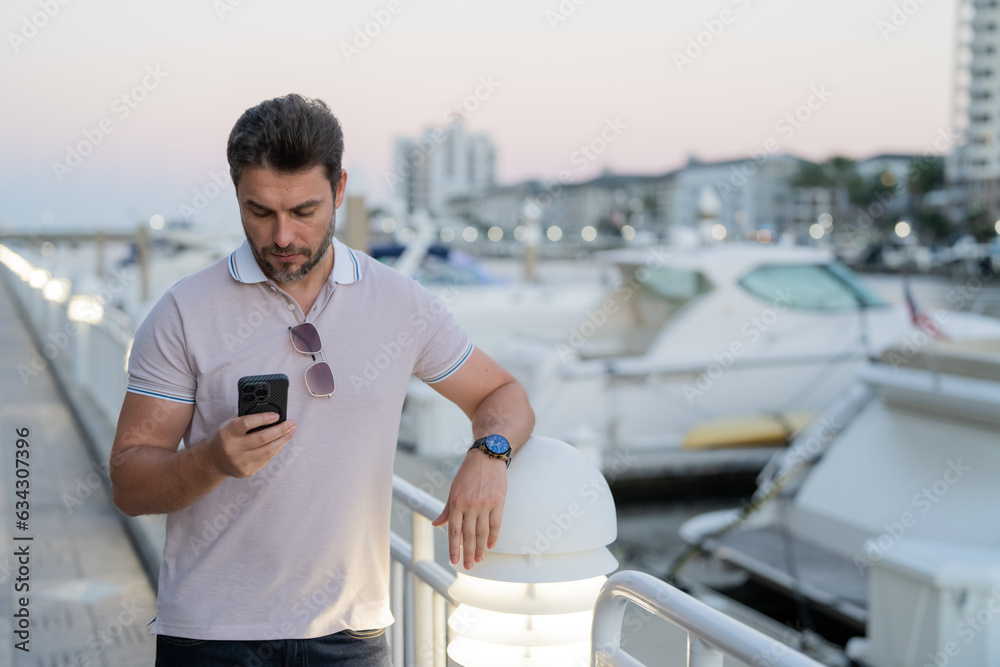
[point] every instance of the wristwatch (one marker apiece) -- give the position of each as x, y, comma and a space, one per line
494, 446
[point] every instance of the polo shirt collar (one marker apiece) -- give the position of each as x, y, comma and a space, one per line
243, 266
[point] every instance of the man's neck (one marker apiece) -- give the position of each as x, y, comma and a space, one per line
307, 289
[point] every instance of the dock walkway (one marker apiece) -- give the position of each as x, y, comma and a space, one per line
88, 597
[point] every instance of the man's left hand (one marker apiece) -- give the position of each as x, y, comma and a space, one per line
475, 507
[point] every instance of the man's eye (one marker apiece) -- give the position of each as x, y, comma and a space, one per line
307, 214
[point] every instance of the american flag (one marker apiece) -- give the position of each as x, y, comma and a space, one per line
922, 320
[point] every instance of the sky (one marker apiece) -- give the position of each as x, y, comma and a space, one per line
114, 111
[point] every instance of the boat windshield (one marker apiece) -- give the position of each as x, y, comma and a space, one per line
632, 316
811, 286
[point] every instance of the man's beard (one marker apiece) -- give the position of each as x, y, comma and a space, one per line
312, 256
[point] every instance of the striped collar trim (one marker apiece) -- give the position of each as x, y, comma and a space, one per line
243, 266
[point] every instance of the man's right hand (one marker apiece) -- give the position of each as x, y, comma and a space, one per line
237, 453
150, 475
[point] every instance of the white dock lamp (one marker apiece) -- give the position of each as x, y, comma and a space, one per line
530, 602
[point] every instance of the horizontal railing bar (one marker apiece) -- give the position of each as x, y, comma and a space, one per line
400, 550
415, 498
437, 577
712, 626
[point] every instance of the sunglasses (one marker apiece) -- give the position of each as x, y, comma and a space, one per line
319, 376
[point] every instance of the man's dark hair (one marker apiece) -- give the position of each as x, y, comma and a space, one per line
290, 133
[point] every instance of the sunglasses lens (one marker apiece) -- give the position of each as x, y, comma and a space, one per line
305, 338
319, 379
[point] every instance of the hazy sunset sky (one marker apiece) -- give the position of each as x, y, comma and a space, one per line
558, 73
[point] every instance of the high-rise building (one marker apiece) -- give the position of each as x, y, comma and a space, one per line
444, 163
973, 166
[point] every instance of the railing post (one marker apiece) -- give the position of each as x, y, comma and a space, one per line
423, 594
701, 654
440, 632
397, 635
606, 632
82, 354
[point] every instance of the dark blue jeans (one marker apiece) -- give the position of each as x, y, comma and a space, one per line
350, 648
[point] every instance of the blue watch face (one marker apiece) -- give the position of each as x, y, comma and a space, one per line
497, 444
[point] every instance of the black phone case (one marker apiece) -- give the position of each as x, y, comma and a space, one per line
263, 393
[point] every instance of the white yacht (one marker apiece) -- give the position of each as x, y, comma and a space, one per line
697, 349
878, 519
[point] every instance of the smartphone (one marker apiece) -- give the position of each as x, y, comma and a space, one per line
263, 393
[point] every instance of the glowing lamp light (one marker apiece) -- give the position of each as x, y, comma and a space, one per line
554, 233
447, 234
628, 232
530, 602
997, 226
85, 309
470, 234
521, 233
902, 229
15, 262
56, 290
588, 233
494, 234
38, 277
718, 232
816, 230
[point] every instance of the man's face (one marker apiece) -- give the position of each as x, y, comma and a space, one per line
288, 218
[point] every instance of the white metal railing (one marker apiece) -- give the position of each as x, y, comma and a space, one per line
419, 588
91, 357
711, 634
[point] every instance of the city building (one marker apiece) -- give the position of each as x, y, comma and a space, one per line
444, 163
973, 167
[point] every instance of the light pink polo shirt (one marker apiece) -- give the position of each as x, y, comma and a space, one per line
301, 548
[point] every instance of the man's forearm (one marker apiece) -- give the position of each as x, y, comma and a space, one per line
155, 480
506, 412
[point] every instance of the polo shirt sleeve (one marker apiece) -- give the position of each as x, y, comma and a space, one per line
159, 365
445, 347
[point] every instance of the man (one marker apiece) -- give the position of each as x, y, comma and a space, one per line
277, 547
